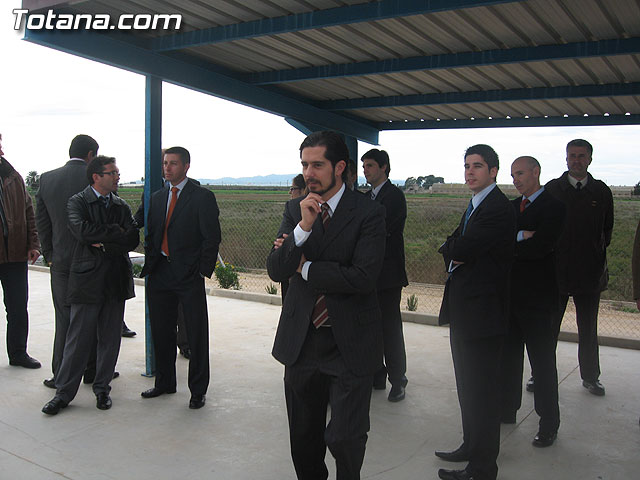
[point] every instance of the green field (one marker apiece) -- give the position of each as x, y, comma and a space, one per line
250, 219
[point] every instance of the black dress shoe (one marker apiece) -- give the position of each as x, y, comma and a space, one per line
530, 385
25, 361
197, 401
185, 352
397, 393
53, 406
127, 332
542, 440
155, 392
594, 387
458, 455
49, 382
445, 474
103, 401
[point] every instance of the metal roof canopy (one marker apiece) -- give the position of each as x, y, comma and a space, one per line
360, 67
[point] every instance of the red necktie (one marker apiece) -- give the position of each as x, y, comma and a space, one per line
320, 315
523, 204
172, 205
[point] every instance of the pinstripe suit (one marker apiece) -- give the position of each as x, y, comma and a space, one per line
330, 366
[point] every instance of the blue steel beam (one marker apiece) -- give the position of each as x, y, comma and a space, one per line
120, 54
364, 12
570, 121
455, 60
517, 94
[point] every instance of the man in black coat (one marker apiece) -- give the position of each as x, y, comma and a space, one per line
534, 301
56, 188
181, 248
478, 256
330, 335
582, 254
100, 280
393, 276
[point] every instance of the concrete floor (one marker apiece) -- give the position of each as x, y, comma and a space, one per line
241, 433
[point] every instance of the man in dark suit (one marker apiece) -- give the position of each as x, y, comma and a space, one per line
581, 254
56, 187
478, 257
393, 276
534, 301
330, 335
100, 280
181, 248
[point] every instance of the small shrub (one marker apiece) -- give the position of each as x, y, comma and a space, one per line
227, 276
412, 303
137, 269
271, 289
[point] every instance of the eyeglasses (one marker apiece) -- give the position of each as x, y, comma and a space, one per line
294, 188
113, 173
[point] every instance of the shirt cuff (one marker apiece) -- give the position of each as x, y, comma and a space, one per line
520, 236
300, 236
305, 270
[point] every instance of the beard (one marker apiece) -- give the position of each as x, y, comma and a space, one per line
331, 185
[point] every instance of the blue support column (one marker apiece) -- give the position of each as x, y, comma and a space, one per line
152, 182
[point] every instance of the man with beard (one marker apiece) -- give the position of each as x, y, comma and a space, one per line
331, 247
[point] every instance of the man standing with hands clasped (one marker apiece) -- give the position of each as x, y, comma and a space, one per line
330, 335
478, 257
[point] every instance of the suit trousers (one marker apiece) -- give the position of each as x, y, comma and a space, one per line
587, 306
13, 276
535, 329
476, 361
59, 283
395, 356
317, 380
103, 320
164, 294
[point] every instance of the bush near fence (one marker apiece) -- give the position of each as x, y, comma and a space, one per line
250, 218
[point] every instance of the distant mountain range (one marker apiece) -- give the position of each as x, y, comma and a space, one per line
266, 180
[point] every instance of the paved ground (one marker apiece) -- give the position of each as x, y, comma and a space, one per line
242, 431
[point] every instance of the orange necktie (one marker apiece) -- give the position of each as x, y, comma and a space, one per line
172, 205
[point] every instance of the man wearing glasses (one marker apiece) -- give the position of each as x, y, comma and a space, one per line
100, 280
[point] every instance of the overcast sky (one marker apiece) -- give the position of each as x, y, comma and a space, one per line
47, 97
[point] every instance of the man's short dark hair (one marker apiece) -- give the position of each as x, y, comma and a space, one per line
487, 153
578, 142
81, 145
182, 152
97, 164
336, 148
381, 157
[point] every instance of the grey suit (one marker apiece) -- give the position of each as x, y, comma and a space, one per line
56, 187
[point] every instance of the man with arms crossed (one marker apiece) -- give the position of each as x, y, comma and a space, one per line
393, 275
100, 280
181, 248
534, 301
330, 335
478, 257
581, 254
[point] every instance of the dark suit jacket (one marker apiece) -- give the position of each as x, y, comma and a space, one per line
393, 274
193, 232
582, 248
533, 276
56, 187
476, 294
346, 263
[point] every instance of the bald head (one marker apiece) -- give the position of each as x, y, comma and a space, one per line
525, 172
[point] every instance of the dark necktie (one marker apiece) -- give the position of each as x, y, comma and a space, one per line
523, 204
579, 186
320, 315
467, 215
172, 205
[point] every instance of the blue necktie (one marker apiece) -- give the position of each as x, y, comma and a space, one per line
467, 215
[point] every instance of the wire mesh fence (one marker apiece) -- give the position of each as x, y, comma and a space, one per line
250, 219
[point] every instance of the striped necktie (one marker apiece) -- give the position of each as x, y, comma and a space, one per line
320, 315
